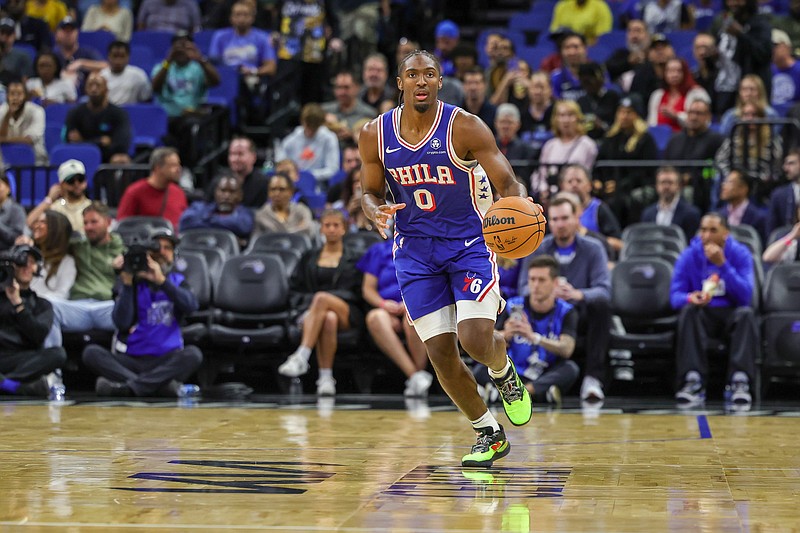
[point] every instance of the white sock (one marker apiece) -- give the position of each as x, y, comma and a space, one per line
325, 373
485, 421
501, 373
304, 352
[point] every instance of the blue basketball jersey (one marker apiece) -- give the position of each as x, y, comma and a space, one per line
445, 196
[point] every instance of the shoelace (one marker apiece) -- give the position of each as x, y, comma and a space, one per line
510, 390
483, 444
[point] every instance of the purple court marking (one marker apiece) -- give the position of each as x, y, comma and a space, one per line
702, 424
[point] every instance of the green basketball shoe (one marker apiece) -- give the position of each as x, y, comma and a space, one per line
517, 401
491, 445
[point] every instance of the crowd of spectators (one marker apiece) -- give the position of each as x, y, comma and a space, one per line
687, 136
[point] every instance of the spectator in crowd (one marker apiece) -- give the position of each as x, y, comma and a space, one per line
50, 11
179, 86
704, 50
282, 214
356, 32
476, 100
737, 208
169, 15
312, 145
565, 81
696, 142
158, 195
649, 76
465, 57
329, 285
624, 61
631, 188
668, 105
349, 203
666, 16
784, 200
785, 70
583, 231
15, 63
518, 152
786, 248
108, 15
386, 320
127, 84
712, 287
540, 330
242, 165
77, 61
502, 58
375, 91
513, 86
671, 208
351, 158
51, 234
594, 214
100, 122
301, 50
587, 286
745, 47
149, 356
225, 212
569, 145
67, 197
48, 86
754, 148
598, 104
447, 35
22, 122
347, 108
751, 91
32, 31
96, 256
12, 215
248, 50
25, 319
590, 18
538, 117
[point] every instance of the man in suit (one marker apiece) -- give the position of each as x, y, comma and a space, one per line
671, 208
738, 208
784, 200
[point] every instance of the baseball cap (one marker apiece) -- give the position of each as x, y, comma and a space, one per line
69, 169
447, 28
7, 23
778, 37
659, 38
164, 233
68, 21
633, 101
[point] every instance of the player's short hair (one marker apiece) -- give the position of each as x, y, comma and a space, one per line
160, 155
312, 115
98, 207
565, 168
546, 261
333, 212
722, 220
563, 200
419, 53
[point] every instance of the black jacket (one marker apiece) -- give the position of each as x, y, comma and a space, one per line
686, 216
346, 280
28, 329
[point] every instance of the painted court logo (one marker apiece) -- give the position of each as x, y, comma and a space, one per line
494, 220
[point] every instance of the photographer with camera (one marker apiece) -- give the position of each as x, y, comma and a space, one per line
25, 320
149, 356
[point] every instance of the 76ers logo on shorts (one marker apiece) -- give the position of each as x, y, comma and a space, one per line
472, 283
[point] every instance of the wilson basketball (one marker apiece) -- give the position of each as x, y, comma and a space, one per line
513, 227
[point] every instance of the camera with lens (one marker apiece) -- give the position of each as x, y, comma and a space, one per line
16, 256
135, 258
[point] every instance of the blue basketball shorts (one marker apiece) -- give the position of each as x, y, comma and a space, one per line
444, 281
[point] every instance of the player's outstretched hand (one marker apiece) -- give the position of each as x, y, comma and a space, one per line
541, 209
383, 214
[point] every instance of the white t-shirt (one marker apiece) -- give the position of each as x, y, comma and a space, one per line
59, 285
130, 86
58, 92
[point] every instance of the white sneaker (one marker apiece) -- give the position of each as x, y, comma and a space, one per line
418, 384
294, 366
592, 389
326, 386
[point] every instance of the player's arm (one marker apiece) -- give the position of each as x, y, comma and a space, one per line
473, 139
373, 183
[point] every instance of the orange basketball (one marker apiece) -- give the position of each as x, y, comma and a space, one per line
513, 227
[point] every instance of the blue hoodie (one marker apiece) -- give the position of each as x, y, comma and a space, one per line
736, 275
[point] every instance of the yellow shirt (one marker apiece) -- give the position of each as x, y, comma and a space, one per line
591, 20
52, 12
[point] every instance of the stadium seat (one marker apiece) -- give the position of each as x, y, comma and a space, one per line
52, 136
781, 324
30, 50
777, 233
88, 154
651, 247
140, 227
361, 241
215, 259
18, 154
290, 258
614, 39
226, 93
99, 40
57, 113
280, 241
195, 269
651, 230
748, 236
220, 238
599, 53
203, 40
148, 124
142, 57
159, 42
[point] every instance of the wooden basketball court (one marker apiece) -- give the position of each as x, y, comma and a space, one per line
355, 468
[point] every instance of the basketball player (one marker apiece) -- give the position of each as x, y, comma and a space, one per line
435, 159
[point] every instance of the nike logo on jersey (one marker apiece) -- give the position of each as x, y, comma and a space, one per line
469, 243
391, 150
